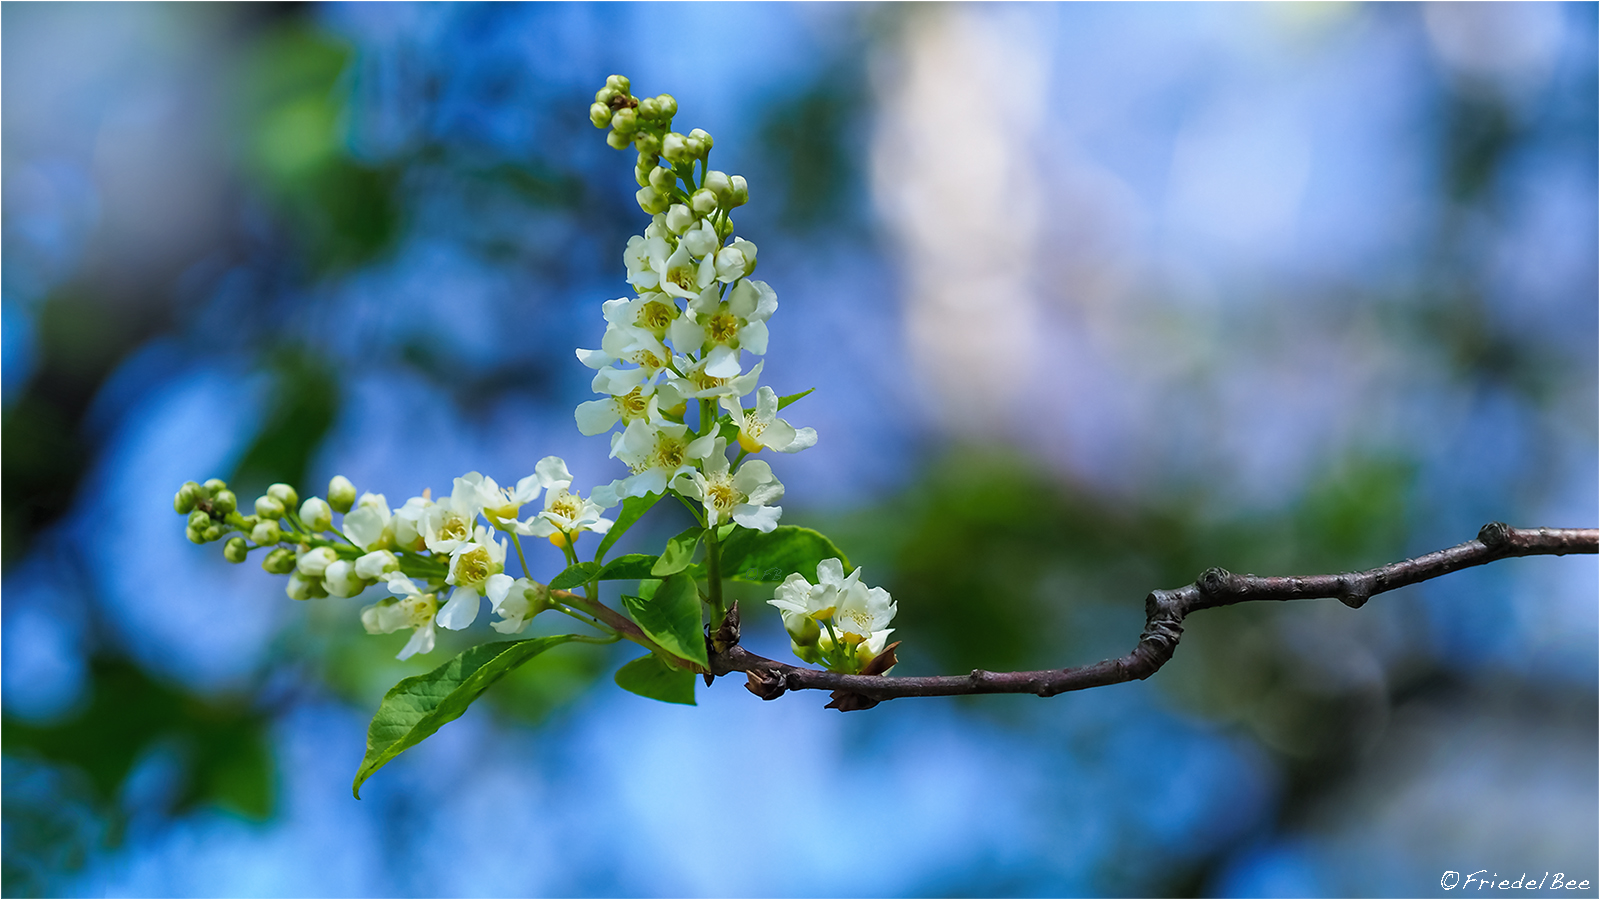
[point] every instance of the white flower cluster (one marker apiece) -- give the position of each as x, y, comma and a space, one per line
838, 621
681, 339
375, 543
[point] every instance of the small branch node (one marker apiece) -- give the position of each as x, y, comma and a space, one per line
766, 684
1216, 581
1495, 534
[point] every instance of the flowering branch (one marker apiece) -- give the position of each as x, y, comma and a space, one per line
1165, 611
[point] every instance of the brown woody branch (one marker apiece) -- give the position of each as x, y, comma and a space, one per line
1164, 614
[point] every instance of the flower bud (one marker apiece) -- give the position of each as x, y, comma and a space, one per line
198, 520
648, 145
650, 201
603, 97
315, 561
649, 108
279, 561
341, 494
224, 502
679, 218
668, 105
340, 580
717, 183
213, 485
188, 495
675, 147
301, 587
269, 507
616, 140
662, 179
618, 83
235, 550
285, 495
194, 534
704, 202
600, 114
811, 653
316, 514
731, 265
738, 191
377, 564
625, 120
214, 532
701, 241
266, 533
641, 173
704, 137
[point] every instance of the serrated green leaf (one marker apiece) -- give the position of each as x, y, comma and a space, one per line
750, 555
574, 575
417, 706
632, 509
648, 676
634, 565
672, 618
678, 553
790, 398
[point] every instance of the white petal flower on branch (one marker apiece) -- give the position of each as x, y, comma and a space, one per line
499, 505
408, 524
449, 523
565, 514
743, 496
471, 565
641, 274
761, 428
655, 454
515, 602
697, 384
366, 525
412, 609
684, 278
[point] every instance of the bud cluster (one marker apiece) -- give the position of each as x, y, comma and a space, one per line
838, 622
665, 169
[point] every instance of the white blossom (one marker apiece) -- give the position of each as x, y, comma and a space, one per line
471, 564
515, 602
696, 383
340, 579
315, 561
761, 427
565, 513
724, 327
499, 505
449, 523
367, 524
413, 609
655, 454
742, 496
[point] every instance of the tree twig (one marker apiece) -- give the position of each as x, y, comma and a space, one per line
1164, 614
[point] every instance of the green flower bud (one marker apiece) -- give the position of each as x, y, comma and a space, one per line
279, 561
194, 535
811, 653
704, 137
235, 550
625, 120
649, 145
679, 218
188, 495
341, 494
301, 587
616, 140
213, 485
199, 520
649, 108
285, 494
600, 115
803, 630
738, 191
668, 105
717, 183
650, 201
662, 179
618, 83
215, 531
704, 202
266, 533
224, 502
641, 173
603, 97
675, 147
269, 507
316, 514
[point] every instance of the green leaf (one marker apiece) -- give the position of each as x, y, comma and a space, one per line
574, 575
672, 618
417, 706
634, 565
752, 556
632, 509
728, 431
649, 676
790, 398
679, 553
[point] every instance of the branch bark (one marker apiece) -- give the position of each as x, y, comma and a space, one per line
1165, 611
